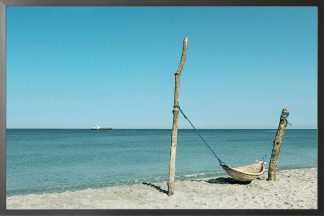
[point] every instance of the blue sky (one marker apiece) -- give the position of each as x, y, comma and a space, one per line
74, 67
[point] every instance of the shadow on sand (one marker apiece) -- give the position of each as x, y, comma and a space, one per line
219, 180
156, 187
224, 180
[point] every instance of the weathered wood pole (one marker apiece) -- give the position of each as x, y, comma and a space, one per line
272, 172
174, 134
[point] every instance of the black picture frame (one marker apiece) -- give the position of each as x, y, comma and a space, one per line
195, 3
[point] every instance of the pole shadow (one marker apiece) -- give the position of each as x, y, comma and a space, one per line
156, 187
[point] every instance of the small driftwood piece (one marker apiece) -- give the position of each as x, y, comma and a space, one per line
174, 134
273, 165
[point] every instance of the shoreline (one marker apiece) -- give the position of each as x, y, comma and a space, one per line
181, 177
294, 189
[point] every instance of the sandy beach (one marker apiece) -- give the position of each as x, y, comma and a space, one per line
294, 189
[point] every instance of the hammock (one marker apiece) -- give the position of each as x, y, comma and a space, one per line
243, 174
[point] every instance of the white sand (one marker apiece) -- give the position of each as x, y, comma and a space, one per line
294, 189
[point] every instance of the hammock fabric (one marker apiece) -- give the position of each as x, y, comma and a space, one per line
245, 173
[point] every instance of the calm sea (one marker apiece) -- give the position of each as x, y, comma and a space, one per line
50, 160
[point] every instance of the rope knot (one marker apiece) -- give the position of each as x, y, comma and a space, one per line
284, 116
176, 106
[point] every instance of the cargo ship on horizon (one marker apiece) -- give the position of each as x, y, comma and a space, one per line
100, 128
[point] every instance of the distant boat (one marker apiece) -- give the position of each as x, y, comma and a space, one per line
100, 128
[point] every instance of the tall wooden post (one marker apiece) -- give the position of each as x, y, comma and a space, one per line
272, 172
174, 134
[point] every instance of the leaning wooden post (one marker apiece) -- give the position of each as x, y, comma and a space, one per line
276, 145
174, 134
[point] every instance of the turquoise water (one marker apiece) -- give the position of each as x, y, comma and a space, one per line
50, 160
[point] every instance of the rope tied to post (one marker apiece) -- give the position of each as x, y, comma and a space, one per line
184, 115
284, 116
